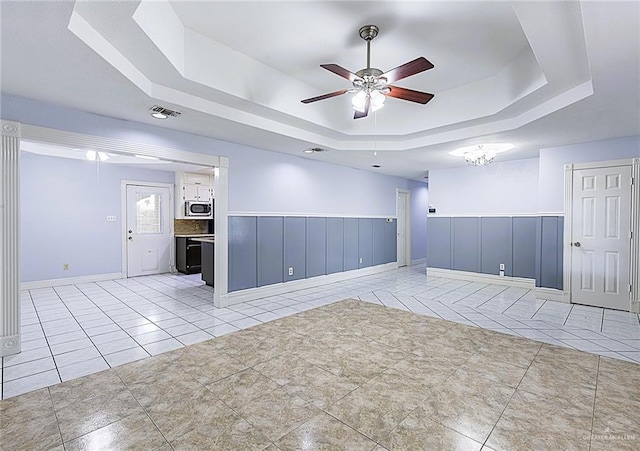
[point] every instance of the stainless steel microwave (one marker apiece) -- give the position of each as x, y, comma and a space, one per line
198, 209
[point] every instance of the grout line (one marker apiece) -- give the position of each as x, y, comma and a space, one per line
512, 395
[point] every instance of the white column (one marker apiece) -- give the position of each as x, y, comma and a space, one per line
9, 239
221, 250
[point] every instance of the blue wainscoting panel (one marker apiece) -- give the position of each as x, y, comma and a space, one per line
439, 242
335, 245
559, 253
295, 242
378, 241
390, 241
365, 242
316, 246
242, 253
550, 246
270, 250
466, 244
496, 248
524, 247
350, 244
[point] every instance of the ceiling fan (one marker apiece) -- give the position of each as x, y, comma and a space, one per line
372, 85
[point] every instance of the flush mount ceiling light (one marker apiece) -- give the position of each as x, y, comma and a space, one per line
92, 155
481, 154
372, 86
160, 112
314, 150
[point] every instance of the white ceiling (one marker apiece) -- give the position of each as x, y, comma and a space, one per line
537, 74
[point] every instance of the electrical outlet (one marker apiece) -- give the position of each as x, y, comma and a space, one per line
291, 270
501, 266
65, 266
360, 260
111, 219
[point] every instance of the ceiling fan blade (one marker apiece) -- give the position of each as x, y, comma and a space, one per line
367, 104
339, 70
409, 94
325, 96
406, 70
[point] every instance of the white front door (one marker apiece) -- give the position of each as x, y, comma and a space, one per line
148, 230
402, 228
601, 237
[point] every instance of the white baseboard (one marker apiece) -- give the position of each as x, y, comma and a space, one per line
251, 294
420, 261
69, 281
519, 282
551, 294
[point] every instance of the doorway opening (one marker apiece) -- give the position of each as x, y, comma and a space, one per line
403, 211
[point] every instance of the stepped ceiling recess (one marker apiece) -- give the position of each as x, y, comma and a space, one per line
535, 74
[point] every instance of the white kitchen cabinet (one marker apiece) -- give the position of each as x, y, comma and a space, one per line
193, 178
196, 193
191, 186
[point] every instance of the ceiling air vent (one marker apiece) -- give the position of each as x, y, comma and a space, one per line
164, 111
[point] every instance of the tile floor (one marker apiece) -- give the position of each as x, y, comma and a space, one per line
72, 331
349, 375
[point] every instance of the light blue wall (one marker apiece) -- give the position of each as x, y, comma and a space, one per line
552, 161
419, 207
274, 183
511, 188
501, 188
64, 204
260, 181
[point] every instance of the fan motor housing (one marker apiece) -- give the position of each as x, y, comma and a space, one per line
369, 71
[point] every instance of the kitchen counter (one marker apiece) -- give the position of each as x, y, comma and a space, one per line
205, 239
195, 235
208, 259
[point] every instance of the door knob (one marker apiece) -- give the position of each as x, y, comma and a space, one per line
130, 231
131, 238
577, 244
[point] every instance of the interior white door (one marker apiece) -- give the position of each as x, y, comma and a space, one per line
149, 230
601, 237
402, 228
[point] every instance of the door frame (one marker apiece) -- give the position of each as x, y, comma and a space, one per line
123, 216
407, 227
634, 256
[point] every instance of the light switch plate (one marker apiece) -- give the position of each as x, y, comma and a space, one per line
111, 219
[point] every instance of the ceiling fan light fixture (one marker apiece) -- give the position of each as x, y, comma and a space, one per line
372, 85
377, 100
359, 100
